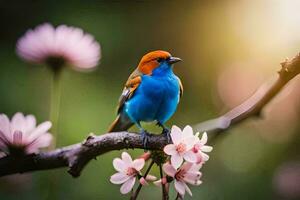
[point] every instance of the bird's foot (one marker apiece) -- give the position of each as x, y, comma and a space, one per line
145, 138
166, 133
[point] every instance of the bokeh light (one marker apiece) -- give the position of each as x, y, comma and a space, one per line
287, 180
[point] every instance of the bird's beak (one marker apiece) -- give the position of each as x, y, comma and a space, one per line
173, 60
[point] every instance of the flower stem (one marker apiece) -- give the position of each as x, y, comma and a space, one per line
136, 193
55, 103
165, 195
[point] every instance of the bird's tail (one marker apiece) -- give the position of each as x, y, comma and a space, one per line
121, 123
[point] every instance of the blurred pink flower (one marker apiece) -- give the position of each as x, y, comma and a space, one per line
128, 170
287, 180
200, 148
183, 142
57, 46
187, 173
22, 135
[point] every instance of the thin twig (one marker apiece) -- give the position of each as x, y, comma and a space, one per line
136, 193
165, 195
255, 104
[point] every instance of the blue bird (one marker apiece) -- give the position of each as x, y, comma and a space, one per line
151, 93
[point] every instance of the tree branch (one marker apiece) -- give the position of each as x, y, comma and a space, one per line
254, 105
76, 156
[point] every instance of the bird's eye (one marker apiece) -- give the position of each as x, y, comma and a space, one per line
160, 59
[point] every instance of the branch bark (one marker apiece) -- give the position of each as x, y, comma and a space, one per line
76, 156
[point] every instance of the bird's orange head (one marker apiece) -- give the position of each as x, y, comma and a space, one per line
152, 60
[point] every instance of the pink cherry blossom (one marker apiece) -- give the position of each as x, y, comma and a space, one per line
187, 173
22, 135
200, 147
64, 45
183, 142
128, 170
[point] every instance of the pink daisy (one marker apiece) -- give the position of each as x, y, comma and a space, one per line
58, 46
21, 135
128, 170
187, 173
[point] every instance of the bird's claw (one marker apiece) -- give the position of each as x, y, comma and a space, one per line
145, 138
166, 132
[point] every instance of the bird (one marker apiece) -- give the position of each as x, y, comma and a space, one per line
151, 94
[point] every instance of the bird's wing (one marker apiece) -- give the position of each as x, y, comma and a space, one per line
181, 87
131, 85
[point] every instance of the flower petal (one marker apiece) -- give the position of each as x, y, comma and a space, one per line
119, 165
190, 157
126, 158
41, 142
179, 187
200, 159
5, 127
195, 167
170, 149
150, 177
169, 169
188, 189
204, 138
176, 135
128, 185
186, 166
18, 138
206, 148
18, 122
176, 160
4, 140
187, 131
204, 156
30, 124
119, 178
40, 129
192, 178
190, 142
138, 164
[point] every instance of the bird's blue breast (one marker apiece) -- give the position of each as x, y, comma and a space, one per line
156, 98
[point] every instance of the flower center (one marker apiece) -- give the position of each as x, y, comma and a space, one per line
179, 174
131, 171
196, 148
180, 148
56, 62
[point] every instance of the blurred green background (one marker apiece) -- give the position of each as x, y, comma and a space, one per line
229, 48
